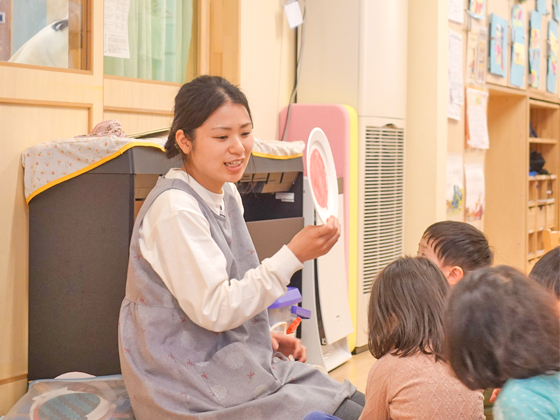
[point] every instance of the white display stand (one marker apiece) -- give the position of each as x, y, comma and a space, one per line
324, 285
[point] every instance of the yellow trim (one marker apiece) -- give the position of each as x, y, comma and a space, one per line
92, 166
265, 155
353, 228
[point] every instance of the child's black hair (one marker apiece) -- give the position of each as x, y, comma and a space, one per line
459, 244
499, 324
547, 271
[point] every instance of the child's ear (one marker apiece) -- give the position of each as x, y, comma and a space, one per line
455, 275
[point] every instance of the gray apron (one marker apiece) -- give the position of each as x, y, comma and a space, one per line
176, 370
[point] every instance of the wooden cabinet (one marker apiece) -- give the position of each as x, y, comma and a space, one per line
520, 204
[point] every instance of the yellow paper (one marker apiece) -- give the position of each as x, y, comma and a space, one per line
553, 44
519, 54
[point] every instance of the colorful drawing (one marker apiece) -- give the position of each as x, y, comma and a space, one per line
556, 10
498, 45
472, 49
552, 68
475, 192
517, 72
535, 49
482, 54
476, 9
455, 191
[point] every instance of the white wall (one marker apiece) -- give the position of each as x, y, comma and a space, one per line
267, 62
426, 137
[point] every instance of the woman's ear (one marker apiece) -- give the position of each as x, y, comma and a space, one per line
455, 275
183, 142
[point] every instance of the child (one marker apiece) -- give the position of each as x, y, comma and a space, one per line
456, 248
411, 380
547, 271
194, 338
502, 330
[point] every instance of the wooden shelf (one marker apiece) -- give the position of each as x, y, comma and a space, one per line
542, 141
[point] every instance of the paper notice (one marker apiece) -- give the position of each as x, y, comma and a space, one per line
477, 121
455, 13
455, 75
115, 42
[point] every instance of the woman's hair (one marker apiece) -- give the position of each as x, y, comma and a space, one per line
500, 325
195, 102
547, 271
458, 243
406, 309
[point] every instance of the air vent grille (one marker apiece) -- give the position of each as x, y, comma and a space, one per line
383, 200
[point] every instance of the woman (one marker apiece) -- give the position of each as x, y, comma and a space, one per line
194, 337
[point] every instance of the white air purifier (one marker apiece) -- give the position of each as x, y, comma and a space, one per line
354, 52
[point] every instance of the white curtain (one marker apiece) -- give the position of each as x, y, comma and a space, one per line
159, 40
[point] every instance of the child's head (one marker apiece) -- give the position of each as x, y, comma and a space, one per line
500, 325
406, 309
212, 130
547, 271
456, 248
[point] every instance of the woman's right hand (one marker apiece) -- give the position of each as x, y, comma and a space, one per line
315, 241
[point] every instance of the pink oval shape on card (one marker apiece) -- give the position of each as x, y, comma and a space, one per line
318, 176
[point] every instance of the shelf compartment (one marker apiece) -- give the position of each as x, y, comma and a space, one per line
538, 140
541, 217
550, 215
532, 219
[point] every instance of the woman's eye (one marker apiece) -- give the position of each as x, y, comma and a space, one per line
247, 133
222, 137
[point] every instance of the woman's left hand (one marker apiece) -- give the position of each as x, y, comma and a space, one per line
289, 346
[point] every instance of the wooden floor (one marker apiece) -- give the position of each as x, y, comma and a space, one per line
355, 370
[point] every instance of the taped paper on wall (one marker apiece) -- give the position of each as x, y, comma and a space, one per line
455, 13
115, 28
517, 70
475, 192
455, 191
535, 49
498, 45
477, 121
455, 70
552, 64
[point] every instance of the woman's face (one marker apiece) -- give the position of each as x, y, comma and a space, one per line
221, 148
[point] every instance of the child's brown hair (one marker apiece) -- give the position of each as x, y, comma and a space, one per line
406, 309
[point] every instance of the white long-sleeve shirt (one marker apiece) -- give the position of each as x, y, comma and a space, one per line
175, 239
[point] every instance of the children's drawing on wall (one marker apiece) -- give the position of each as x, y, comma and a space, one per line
552, 69
472, 56
498, 45
476, 9
541, 6
476, 55
535, 49
475, 193
455, 190
556, 10
482, 54
455, 69
517, 71
476, 121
